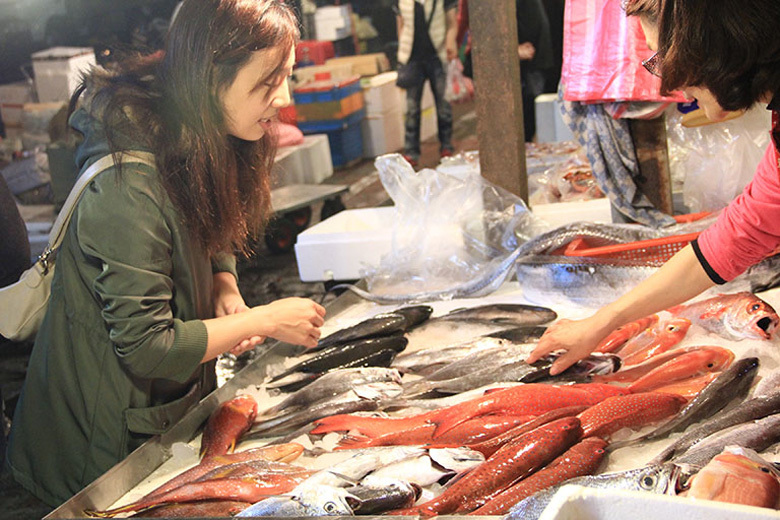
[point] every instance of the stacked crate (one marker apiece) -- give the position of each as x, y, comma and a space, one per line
334, 107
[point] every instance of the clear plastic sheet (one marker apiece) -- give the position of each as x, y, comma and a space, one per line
455, 234
716, 161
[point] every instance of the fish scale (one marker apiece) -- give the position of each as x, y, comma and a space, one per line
628, 411
584, 458
226, 424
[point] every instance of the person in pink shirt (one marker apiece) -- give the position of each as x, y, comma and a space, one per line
727, 57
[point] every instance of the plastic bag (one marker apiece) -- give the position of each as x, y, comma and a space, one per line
603, 51
454, 234
715, 162
459, 88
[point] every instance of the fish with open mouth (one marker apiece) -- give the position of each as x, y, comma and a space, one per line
734, 316
664, 479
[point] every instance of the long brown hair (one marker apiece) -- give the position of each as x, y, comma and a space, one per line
172, 102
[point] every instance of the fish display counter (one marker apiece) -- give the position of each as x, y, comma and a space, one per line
450, 405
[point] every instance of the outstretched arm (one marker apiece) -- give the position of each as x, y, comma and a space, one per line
678, 280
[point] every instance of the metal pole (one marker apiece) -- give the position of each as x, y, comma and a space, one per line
499, 102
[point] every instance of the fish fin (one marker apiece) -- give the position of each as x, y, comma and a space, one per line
346, 479
111, 513
446, 424
353, 441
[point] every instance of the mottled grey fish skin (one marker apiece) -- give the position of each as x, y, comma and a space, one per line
325, 501
343, 354
396, 494
514, 313
332, 384
415, 314
502, 353
732, 383
377, 326
756, 435
752, 409
658, 479
428, 360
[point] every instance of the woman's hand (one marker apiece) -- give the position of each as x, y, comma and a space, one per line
577, 338
526, 51
292, 320
228, 300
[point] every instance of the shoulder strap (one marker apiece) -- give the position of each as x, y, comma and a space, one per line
430, 16
104, 163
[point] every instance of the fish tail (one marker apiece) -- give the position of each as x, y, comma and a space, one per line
111, 513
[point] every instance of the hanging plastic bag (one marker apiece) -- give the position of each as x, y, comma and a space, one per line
715, 162
459, 88
454, 235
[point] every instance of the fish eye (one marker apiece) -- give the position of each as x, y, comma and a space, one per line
710, 365
647, 482
755, 307
765, 469
329, 507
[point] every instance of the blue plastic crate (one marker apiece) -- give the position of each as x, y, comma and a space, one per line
344, 136
328, 91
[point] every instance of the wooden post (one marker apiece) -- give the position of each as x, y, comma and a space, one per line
499, 104
649, 136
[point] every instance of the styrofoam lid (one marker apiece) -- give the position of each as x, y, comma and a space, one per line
380, 79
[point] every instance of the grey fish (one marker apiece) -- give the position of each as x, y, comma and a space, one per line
732, 383
756, 435
383, 496
754, 408
377, 326
517, 314
363, 462
342, 355
504, 352
347, 402
659, 479
305, 502
332, 384
414, 314
430, 359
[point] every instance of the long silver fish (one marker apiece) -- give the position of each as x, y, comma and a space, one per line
334, 383
756, 435
659, 479
430, 359
306, 502
363, 462
732, 383
752, 409
429, 467
382, 495
516, 314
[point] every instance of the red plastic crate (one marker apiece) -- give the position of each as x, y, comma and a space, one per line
313, 52
655, 251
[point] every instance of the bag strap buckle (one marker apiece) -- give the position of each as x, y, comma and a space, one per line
44, 259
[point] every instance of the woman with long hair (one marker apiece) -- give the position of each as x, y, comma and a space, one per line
145, 296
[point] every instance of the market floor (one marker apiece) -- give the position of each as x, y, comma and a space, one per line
263, 278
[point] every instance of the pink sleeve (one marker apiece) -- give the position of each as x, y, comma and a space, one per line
748, 229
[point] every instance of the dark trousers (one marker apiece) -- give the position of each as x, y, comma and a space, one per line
433, 71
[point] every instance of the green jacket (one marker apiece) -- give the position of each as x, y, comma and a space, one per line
117, 358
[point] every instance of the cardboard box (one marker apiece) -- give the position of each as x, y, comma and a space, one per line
338, 109
334, 71
340, 247
333, 22
13, 96
381, 95
383, 133
58, 71
364, 64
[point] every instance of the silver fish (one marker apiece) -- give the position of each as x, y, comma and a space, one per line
361, 464
752, 409
516, 314
382, 325
334, 383
756, 435
306, 502
380, 495
732, 383
659, 479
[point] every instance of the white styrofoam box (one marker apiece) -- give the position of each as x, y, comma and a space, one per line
288, 167
561, 213
332, 22
381, 95
550, 126
382, 133
581, 503
305, 163
316, 157
429, 126
13, 97
58, 71
339, 247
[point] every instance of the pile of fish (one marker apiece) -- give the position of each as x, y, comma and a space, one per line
470, 428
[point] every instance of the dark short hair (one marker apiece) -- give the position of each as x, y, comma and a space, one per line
730, 47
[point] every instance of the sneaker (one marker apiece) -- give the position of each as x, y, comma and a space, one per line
446, 152
411, 160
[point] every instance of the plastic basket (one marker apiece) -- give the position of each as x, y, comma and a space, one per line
655, 251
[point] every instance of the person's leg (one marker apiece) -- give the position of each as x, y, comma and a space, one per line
438, 78
413, 112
